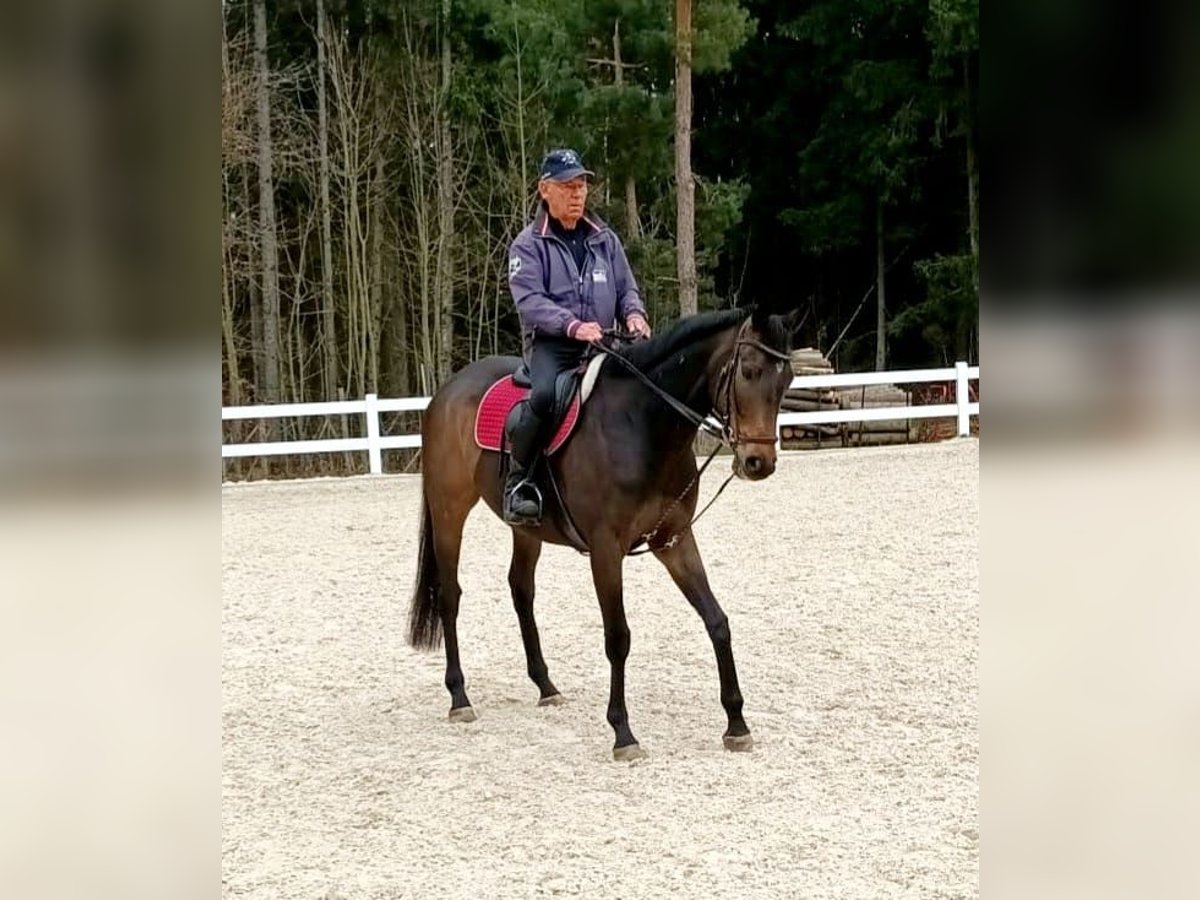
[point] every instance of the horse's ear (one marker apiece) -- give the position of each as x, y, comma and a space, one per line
793, 322
758, 316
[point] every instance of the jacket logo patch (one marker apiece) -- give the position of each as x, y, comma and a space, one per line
599, 276
514, 266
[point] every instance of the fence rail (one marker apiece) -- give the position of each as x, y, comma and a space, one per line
374, 443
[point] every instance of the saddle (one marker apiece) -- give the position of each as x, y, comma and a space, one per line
572, 389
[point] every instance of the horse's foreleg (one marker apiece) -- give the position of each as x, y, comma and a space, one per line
606, 574
526, 550
687, 569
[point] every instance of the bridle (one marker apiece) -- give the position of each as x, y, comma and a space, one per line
726, 384
727, 434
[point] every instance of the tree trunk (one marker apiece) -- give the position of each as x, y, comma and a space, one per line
967, 328
972, 170
232, 374
445, 189
880, 307
329, 376
633, 227
397, 352
685, 217
376, 287
419, 232
266, 215
254, 286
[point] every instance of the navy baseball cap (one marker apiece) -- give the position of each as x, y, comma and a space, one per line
562, 165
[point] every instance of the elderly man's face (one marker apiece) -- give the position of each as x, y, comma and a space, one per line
565, 199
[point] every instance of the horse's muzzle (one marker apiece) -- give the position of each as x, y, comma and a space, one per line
753, 467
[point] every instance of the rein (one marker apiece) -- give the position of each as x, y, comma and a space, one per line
682, 408
727, 433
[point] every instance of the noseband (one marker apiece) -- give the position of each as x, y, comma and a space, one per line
728, 433
726, 385
726, 381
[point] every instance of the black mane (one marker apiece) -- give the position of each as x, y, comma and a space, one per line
648, 354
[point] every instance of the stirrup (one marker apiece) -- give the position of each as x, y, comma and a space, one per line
517, 493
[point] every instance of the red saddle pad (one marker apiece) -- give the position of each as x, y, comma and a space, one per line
495, 406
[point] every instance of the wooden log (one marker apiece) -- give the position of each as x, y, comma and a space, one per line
810, 361
884, 427
878, 440
826, 396
794, 405
832, 431
806, 354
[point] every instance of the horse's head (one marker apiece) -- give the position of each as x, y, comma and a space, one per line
758, 372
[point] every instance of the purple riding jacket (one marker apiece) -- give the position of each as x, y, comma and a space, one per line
553, 296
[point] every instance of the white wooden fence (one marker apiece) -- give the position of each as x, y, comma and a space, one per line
374, 443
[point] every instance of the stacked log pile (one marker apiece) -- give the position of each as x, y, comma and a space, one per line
808, 361
888, 431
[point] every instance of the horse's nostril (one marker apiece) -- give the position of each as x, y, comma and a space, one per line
754, 464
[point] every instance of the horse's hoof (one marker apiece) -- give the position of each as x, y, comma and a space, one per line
553, 700
463, 714
738, 743
629, 753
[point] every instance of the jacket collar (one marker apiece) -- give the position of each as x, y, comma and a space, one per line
591, 221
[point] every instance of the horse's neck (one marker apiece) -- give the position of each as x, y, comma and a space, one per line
692, 377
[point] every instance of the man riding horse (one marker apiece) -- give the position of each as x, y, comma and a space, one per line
570, 281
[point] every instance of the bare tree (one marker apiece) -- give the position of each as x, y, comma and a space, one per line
417, 231
632, 224
266, 214
443, 276
364, 122
329, 374
880, 298
232, 110
685, 215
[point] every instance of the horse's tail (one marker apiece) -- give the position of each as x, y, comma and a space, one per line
425, 616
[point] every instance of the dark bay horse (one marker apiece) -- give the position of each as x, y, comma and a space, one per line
627, 474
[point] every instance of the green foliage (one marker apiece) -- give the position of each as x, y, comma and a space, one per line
834, 109
721, 27
829, 226
952, 31
718, 211
808, 114
950, 306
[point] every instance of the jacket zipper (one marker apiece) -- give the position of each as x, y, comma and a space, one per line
571, 259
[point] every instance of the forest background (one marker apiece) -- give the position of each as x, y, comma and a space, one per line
379, 157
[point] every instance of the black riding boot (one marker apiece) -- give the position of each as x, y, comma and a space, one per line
522, 499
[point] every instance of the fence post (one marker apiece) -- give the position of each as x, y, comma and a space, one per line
962, 397
374, 452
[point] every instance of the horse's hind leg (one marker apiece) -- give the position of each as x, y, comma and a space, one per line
447, 540
687, 569
526, 550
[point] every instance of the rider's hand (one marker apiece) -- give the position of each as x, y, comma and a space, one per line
637, 326
589, 332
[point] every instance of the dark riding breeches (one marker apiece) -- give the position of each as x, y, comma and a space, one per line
549, 357
532, 423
